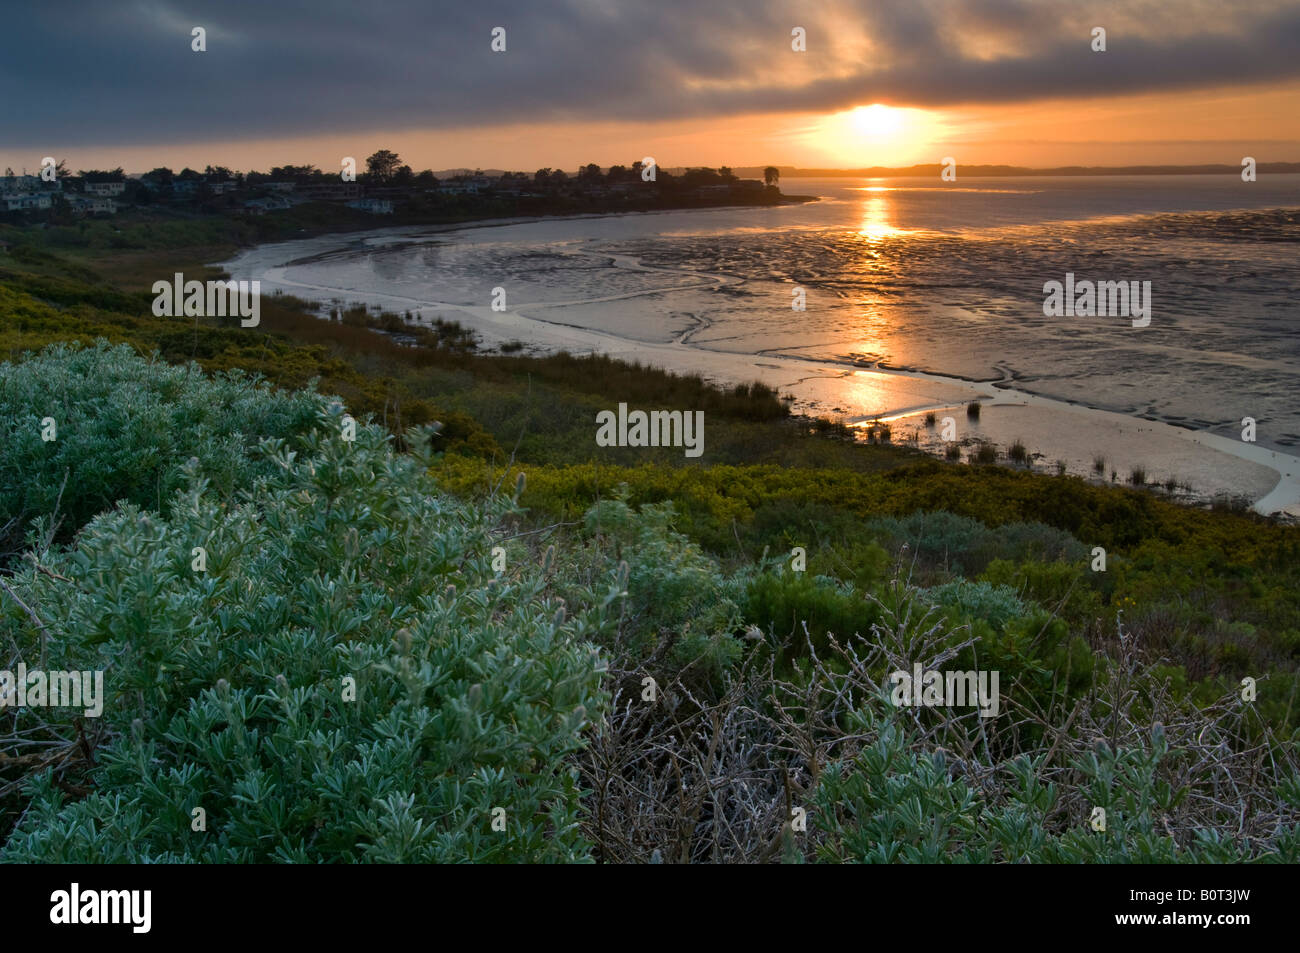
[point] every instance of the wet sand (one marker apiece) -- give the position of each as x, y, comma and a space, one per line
1052, 430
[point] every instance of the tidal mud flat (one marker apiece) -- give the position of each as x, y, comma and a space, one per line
901, 322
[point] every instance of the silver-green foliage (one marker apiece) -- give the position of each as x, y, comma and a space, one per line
674, 589
894, 804
978, 600
124, 426
226, 687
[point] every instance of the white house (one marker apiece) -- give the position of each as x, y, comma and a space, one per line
374, 206
105, 189
24, 183
82, 204
22, 201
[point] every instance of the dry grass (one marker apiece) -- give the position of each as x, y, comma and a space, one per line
691, 779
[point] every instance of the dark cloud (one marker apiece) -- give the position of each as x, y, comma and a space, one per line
124, 73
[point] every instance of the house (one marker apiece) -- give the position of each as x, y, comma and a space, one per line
221, 188
105, 189
24, 183
25, 201
94, 205
330, 191
279, 186
374, 206
268, 203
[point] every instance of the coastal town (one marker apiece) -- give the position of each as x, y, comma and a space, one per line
384, 187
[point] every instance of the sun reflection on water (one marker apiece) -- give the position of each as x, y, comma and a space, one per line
877, 217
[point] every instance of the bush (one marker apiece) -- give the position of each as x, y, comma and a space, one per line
1051, 584
963, 545
935, 538
124, 427
227, 690
893, 804
978, 600
675, 592
783, 604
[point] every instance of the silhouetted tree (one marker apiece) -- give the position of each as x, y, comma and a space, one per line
293, 173
99, 175
383, 164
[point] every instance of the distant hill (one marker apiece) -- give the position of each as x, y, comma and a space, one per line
792, 172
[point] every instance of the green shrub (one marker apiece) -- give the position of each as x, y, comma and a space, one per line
226, 689
939, 538
978, 600
1062, 586
891, 804
961, 544
675, 592
124, 427
785, 603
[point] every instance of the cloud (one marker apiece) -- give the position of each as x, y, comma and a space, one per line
110, 74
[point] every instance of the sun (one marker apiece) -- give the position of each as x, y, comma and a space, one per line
875, 134
876, 121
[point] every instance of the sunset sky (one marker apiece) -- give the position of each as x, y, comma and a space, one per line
688, 82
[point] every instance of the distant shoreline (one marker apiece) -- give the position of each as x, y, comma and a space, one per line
1004, 171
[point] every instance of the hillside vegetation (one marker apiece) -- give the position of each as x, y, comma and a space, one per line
470, 634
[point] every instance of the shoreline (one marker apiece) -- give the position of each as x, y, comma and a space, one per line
1052, 429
